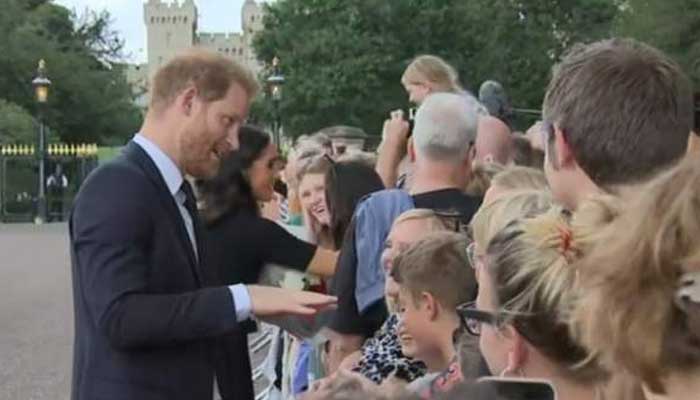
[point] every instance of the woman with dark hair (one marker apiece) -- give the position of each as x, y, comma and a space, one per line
347, 182
241, 242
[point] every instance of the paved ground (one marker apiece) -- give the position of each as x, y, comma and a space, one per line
36, 314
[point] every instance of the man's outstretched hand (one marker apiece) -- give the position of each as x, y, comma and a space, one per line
267, 301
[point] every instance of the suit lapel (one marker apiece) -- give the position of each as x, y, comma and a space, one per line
135, 153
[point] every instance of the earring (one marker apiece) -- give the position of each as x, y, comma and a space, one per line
511, 370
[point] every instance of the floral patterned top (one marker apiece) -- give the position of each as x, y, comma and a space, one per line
382, 356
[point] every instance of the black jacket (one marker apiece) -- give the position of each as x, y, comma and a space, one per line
145, 320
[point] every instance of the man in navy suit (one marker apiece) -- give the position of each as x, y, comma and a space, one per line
146, 315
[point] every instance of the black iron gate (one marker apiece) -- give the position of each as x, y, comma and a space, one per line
67, 166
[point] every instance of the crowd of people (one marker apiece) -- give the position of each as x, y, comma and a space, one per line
459, 255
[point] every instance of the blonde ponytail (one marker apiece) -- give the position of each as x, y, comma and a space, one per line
532, 264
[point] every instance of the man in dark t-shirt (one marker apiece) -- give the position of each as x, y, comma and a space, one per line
442, 151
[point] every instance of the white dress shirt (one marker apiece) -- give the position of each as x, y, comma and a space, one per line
173, 179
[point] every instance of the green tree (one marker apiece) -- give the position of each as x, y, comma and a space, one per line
16, 124
90, 100
671, 28
343, 59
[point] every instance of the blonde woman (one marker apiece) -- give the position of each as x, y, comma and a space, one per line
515, 178
482, 175
311, 190
639, 309
525, 279
492, 217
491, 180
514, 199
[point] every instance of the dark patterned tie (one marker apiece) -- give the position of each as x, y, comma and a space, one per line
190, 201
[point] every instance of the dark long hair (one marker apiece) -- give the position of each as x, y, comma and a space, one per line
347, 182
230, 191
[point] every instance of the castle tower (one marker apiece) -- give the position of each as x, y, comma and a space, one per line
170, 29
251, 23
251, 17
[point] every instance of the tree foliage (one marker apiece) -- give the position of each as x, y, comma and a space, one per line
343, 59
673, 27
89, 99
16, 124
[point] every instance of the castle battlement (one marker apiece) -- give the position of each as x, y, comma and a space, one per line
177, 5
172, 28
156, 12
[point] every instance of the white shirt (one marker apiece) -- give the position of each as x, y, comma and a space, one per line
173, 180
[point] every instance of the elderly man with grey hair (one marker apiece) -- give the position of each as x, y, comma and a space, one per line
442, 151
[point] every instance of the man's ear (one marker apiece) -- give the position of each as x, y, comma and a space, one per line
564, 156
187, 100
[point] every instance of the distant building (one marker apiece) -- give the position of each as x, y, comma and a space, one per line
172, 27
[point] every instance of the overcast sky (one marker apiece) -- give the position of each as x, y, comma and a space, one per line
214, 16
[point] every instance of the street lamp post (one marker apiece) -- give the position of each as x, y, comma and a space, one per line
275, 82
41, 91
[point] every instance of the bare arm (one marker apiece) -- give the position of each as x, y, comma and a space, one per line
323, 263
392, 149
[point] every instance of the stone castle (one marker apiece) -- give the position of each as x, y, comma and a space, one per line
172, 27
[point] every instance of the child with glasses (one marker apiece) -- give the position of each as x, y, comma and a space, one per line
433, 277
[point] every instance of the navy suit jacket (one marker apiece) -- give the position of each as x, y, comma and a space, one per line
145, 321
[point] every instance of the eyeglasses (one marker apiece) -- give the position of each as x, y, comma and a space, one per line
328, 158
472, 319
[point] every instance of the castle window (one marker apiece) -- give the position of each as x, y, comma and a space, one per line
153, 19
240, 51
185, 19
